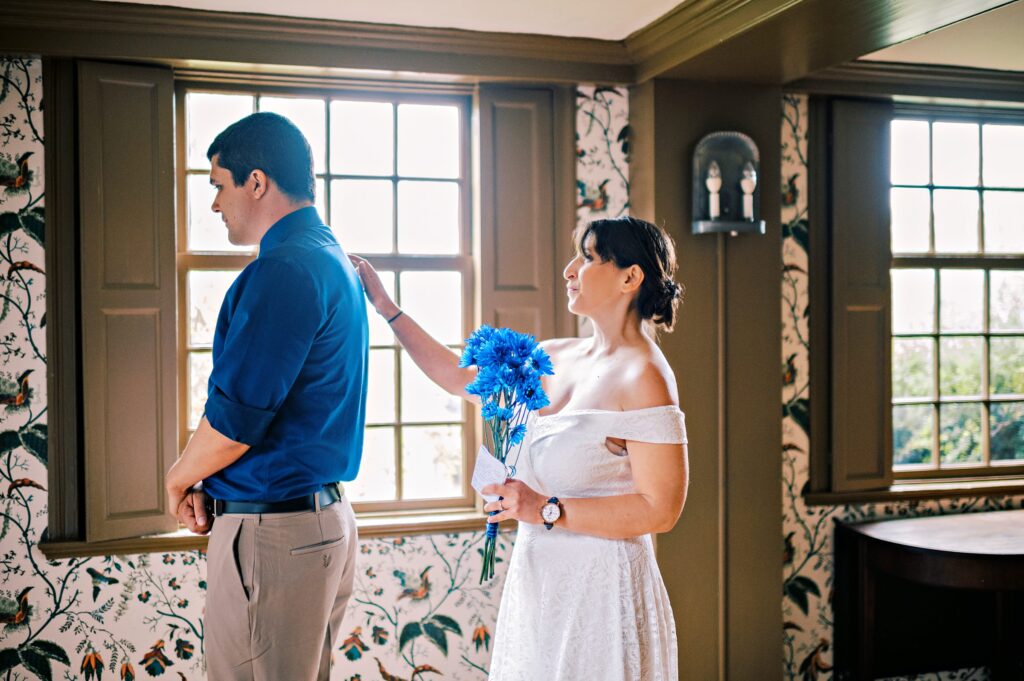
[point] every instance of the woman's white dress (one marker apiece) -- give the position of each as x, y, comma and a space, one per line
575, 606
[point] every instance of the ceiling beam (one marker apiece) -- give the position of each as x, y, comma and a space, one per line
105, 30
778, 41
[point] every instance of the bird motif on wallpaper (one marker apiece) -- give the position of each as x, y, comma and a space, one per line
20, 265
353, 647
23, 482
594, 198
21, 615
790, 193
814, 664
155, 662
22, 176
414, 589
788, 550
789, 370
98, 581
22, 396
385, 676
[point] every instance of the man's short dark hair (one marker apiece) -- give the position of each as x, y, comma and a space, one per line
271, 143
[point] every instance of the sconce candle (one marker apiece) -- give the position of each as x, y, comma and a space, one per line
714, 185
748, 184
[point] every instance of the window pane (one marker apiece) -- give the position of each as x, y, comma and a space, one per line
380, 331
955, 146
913, 301
961, 300
200, 364
428, 217
423, 400
912, 430
1003, 147
309, 116
1004, 222
362, 138
912, 367
376, 479
380, 390
960, 366
361, 215
1007, 435
431, 462
911, 211
206, 289
428, 141
1006, 303
434, 299
1006, 362
321, 198
956, 221
206, 115
910, 158
960, 433
206, 230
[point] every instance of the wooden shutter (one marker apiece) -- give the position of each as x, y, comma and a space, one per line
521, 241
128, 284
861, 355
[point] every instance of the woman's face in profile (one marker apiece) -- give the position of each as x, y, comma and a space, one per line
590, 281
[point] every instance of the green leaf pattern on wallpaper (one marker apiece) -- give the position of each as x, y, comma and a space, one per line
417, 610
602, 152
807, 531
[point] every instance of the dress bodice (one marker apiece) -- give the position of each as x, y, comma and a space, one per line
565, 453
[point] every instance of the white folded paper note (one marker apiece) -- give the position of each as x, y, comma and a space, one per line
487, 471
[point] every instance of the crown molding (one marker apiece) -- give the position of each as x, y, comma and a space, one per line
695, 27
84, 28
886, 79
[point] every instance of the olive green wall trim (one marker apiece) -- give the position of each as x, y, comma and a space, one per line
725, 353
777, 41
870, 78
144, 32
63, 388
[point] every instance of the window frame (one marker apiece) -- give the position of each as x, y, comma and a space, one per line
371, 514
825, 459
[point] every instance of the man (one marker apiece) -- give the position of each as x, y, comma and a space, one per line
284, 419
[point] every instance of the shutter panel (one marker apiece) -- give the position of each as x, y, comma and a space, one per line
861, 348
519, 248
128, 297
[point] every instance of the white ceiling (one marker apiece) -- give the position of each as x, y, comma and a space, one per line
605, 19
993, 40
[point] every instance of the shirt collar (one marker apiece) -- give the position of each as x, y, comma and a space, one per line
288, 225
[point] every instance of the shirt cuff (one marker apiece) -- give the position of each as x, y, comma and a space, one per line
235, 421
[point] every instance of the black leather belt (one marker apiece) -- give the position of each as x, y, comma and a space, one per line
328, 495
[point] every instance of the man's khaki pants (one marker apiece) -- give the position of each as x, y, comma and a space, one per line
277, 589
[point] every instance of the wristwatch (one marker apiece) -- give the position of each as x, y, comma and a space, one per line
551, 512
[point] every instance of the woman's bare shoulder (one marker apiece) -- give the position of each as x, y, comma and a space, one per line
651, 381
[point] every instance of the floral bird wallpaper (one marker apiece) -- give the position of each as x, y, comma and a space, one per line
418, 611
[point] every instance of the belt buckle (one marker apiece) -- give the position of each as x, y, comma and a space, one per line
218, 507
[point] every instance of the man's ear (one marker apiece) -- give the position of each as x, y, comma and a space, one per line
259, 183
634, 278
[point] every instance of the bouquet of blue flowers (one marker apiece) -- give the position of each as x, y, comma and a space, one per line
508, 383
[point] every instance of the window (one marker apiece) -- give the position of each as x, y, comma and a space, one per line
957, 296
392, 182
917, 299
131, 355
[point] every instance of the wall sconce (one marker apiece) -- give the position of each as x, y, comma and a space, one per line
726, 193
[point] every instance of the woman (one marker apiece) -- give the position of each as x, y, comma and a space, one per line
605, 466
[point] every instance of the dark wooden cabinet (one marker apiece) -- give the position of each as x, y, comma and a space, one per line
931, 594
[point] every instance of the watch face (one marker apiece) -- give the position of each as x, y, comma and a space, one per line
550, 513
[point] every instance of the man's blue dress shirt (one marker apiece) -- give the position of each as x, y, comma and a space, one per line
290, 358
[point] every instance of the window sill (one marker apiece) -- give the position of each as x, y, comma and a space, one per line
369, 524
907, 491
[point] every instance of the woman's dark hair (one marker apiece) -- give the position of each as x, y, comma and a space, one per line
629, 241
271, 143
